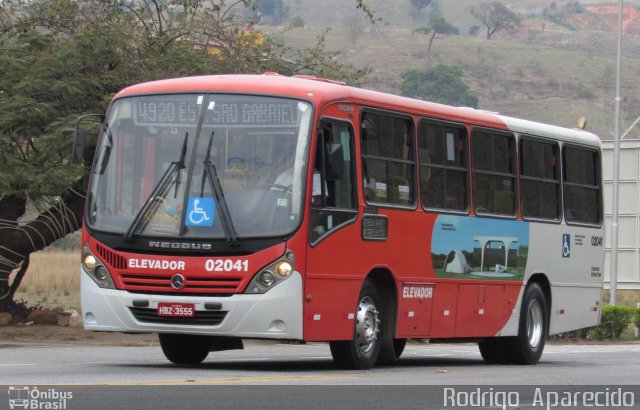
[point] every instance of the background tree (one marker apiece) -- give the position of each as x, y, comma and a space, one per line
496, 17
60, 59
417, 6
272, 12
442, 84
437, 26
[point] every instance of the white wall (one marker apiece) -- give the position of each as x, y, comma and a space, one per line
628, 212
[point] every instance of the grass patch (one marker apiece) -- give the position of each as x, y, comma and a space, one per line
53, 280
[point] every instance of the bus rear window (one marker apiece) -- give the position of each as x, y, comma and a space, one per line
582, 196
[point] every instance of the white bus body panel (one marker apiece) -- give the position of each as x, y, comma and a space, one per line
575, 276
276, 314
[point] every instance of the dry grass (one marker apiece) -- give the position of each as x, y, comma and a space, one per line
53, 280
624, 297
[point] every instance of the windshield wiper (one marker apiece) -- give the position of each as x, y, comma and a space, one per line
152, 203
209, 172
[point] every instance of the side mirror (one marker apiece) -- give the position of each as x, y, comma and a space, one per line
80, 140
77, 152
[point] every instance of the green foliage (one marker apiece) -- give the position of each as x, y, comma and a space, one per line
614, 321
61, 58
496, 17
296, 22
442, 84
321, 62
272, 12
368, 11
420, 4
585, 92
558, 15
437, 26
474, 30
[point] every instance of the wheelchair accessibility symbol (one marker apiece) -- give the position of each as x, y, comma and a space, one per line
200, 211
566, 245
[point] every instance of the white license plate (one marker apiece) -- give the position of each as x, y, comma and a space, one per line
176, 309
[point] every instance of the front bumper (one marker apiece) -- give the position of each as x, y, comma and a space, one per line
276, 314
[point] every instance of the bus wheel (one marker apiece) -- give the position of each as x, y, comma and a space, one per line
398, 346
391, 351
493, 350
362, 351
185, 349
527, 347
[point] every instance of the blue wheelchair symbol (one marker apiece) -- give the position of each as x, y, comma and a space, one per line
566, 245
200, 211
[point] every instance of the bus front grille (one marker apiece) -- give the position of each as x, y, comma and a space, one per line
201, 318
192, 284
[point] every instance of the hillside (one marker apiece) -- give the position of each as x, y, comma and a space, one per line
547, 72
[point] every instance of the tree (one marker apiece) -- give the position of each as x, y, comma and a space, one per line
61, 59
496, 17
416, 9
437, 26
442, 84
267, 11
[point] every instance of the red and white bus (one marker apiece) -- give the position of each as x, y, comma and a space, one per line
262, 206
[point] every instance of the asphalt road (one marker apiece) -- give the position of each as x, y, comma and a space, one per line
267, 375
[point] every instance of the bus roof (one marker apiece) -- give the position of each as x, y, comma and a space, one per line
322, 91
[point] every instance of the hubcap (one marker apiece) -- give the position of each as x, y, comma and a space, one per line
367, 325
534, 324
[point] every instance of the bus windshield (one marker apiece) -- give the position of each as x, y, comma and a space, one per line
200, 166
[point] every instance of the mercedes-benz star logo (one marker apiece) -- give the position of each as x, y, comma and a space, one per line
177, 281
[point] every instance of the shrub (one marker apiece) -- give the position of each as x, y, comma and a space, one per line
615, 319
443, 84
20, 310
585, 92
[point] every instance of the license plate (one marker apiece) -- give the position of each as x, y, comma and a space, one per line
176, 309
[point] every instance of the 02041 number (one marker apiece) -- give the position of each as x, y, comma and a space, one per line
226, 265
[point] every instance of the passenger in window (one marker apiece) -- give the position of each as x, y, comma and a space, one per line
369, 188
432, 193
316, 190
283, 168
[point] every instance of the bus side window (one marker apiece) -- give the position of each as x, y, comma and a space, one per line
582, 195
388, 160
494, 175
443, 166
333, 193
539, 179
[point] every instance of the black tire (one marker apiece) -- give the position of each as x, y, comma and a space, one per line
361, 352
398, 346
527, 347
494, 350
185, 349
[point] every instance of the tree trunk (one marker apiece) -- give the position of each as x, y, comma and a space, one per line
12, 207
17, 242
433, 36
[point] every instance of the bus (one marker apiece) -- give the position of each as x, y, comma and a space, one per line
231, 207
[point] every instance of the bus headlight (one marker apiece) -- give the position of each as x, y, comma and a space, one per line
284, 268
271, 275
267, 278
96, 270
101, 273
90, 262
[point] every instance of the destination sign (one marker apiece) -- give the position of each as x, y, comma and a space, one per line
225, 111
